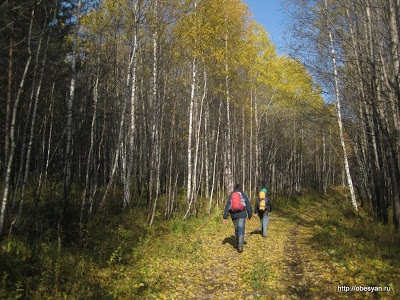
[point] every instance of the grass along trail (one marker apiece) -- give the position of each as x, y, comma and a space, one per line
316, 247
197, 260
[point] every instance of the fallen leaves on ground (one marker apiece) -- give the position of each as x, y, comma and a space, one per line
202, 263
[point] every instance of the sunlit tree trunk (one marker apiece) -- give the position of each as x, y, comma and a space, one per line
131, 80
155, 146
206, 149
228, 176
197, 181
189, 191
215, 161
339, 117
251, 169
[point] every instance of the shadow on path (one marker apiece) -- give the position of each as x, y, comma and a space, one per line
230, 240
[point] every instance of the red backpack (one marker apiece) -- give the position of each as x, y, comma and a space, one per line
237, 202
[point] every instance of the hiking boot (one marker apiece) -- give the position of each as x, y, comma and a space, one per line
240, 249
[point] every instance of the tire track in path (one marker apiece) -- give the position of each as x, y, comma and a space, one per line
295, 271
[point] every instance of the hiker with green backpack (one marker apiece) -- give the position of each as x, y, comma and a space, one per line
262, 208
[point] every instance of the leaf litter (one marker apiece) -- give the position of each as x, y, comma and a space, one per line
202, 263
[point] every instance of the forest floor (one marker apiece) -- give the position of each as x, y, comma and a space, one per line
316, 249
305, 256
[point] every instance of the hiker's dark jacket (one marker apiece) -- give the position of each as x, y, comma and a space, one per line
268, 206
241, 214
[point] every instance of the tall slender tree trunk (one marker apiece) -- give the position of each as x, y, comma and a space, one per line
9, 95
33, 119
89, 166
193, 177
118, 152
339, 116
171, 185
69, 126
251, 143
228, 176
215, 158
206, 149
394, 7
189, 192
132, 128
11, 135
154, 163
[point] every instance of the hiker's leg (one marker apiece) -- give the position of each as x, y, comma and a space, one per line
235, 224
261, 226
241, 227
265, 224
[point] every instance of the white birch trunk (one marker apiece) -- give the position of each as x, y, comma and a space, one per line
207, 152
33, 122
70, 102
91, 146
10, 159
215, 158
117, 152
131, 134
251, 145
228, 178
243, 150
190, 131
339, 117
155, 134
190, 136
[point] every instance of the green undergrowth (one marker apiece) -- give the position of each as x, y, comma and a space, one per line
180, 243
115, 257
361, 251
120, 257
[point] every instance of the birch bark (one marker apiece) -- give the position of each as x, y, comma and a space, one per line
339, 115
131, 134
10, 158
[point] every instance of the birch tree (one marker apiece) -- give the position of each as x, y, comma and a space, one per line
10, 158
339, 113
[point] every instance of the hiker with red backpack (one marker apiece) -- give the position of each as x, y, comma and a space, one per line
239, 207
263, 208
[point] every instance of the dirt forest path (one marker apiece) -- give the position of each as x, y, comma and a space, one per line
281, 266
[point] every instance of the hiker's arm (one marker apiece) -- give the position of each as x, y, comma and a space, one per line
248, 207
226, 210
256, 206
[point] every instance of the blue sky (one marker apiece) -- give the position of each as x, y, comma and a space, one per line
269, 14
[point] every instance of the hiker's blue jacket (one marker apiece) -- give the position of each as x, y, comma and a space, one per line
241, 214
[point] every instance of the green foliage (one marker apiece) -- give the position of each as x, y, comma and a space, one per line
116, 257
362, 251
178, 226
123, 258
15, 263
258, 276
